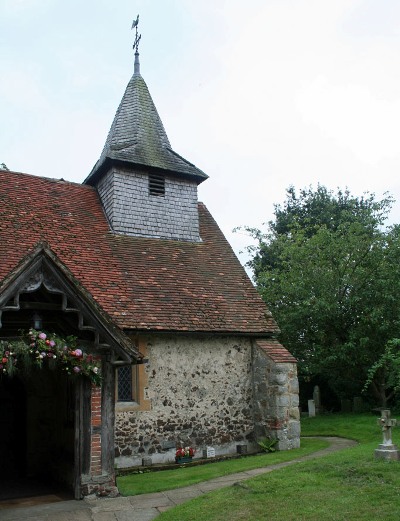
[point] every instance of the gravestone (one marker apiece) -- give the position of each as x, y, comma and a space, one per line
387, 450
311, 408
358, 404
209, 452
317, 400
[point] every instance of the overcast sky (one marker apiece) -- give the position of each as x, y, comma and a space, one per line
259, 94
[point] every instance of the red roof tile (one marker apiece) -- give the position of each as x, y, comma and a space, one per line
276, 351
144, 284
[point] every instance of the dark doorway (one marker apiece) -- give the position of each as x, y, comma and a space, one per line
37, 429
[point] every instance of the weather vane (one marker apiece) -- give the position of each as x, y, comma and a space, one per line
135, 24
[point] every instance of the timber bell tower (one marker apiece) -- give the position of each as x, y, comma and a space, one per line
146, 188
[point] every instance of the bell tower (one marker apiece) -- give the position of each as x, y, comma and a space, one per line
146, 188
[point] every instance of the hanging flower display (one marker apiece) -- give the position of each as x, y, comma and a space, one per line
48, 350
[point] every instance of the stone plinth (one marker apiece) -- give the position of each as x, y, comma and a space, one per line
387, 452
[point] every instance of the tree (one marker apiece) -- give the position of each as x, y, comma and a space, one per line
330, 274
388, 369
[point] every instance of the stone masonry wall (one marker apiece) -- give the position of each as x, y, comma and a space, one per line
201, 394
131, 210
276, 401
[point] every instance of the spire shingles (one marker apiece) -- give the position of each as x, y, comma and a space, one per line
137, 138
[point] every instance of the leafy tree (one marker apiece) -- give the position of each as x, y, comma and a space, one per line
330, 273
388, 369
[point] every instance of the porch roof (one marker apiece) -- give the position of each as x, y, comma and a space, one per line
142, 284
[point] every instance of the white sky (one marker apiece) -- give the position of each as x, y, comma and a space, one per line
258, 94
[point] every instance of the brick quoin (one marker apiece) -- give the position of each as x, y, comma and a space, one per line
95, 455
96, 406
95, 448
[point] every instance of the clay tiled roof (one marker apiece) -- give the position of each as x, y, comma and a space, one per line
142, 284
137, 137
276, 351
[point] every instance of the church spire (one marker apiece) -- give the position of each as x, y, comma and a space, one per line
146, 188
137, 138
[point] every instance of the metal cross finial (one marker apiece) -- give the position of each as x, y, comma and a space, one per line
135, 24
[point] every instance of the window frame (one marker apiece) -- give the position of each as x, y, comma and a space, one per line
134, 399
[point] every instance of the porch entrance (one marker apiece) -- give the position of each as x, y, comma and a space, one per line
37, 432
49, 432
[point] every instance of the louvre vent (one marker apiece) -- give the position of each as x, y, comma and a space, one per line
156, 185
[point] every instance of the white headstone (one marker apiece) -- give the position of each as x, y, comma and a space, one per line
210, 452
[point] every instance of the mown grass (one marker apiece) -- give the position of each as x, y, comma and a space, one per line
134, 484
346, 486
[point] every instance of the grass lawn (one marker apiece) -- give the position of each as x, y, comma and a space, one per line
346, 486
134, 484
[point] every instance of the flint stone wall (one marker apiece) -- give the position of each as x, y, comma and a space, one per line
208, 392
276, 401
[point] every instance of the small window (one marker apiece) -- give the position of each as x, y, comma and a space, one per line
156, 185
127, 383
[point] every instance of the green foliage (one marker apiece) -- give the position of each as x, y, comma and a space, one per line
388, 369
330, 275
268, 444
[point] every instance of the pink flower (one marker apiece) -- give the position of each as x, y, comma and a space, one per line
52, 343
78, 352
77, 369
42, 336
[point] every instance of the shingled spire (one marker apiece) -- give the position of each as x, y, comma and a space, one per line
137, 135
139, 173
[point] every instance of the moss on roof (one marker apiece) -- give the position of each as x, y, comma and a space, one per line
137, 137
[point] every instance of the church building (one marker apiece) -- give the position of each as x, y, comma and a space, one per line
137, 270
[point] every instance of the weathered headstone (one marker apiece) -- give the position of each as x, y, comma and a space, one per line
358, 404
317, 400
311, 408
387, 450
